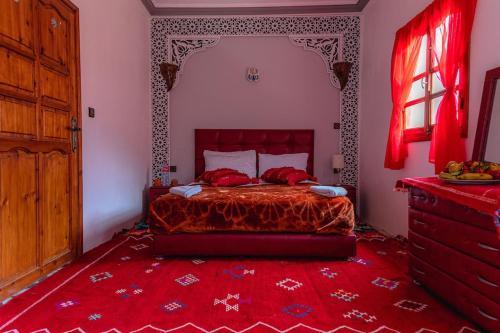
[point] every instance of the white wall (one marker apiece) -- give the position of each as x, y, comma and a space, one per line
381, 206
114, 43
294, 93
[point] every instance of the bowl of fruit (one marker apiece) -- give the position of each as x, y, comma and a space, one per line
471, 172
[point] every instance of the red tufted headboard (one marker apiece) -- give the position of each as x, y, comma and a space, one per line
268, 141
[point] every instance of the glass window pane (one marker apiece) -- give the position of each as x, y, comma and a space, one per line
434, 107
417, 91
437, 44
415, 115
422, 58
437, 85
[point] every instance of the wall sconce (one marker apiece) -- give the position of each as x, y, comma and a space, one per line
253, 74
169, 73
342, 70
337, 163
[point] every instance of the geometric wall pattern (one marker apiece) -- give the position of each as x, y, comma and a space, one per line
334, 38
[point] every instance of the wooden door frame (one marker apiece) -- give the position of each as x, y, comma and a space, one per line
79, 227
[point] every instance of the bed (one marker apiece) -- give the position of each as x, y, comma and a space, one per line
263, 220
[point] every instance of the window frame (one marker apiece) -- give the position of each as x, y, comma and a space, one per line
418, 134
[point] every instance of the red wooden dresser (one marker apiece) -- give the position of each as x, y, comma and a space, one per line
455, 251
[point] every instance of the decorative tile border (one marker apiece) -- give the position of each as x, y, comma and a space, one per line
169, 33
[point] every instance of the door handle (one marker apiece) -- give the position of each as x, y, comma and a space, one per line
74, 129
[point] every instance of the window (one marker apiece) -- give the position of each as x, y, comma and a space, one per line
427, 91
438, 37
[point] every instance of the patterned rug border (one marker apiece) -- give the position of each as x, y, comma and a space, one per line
249, 328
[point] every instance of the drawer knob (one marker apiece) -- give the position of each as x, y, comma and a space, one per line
418, 271
419, 222
487, 247
418, 246
489, 283
485, 315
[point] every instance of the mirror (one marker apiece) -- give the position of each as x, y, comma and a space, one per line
487, 141
492, 152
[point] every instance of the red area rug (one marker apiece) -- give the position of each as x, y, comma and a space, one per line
121, 287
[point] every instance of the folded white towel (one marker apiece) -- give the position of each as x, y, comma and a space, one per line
185, 191
329, 191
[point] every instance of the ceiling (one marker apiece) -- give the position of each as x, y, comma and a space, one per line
251, 7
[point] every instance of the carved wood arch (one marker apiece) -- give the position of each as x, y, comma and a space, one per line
327, 46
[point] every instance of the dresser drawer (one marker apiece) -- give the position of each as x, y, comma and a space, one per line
472, 304
479, 243
427, 202
474, 273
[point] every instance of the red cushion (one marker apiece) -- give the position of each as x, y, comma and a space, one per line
296, 176
271, 175
231, 180
224, 177
282, 175
207, 176
285, 175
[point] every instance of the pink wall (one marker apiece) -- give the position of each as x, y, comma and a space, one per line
294, 92
382, 18
114, 40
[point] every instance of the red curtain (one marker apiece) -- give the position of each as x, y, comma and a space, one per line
404, 60
446, 142
454, 18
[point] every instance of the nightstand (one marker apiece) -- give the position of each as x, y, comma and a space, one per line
156, 191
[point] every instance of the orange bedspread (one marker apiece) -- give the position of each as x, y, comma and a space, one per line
265, 208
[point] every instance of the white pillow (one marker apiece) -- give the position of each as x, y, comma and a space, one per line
269, 161
242, 161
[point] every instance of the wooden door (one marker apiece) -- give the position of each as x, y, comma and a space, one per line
40, 157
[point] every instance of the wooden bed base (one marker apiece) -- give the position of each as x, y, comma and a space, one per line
255, 245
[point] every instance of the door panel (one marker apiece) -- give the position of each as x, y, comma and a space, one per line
16, 24
18, 214
40, 175
54, 42
55, 210
17, 73
54, 88
17, 118
55, 124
